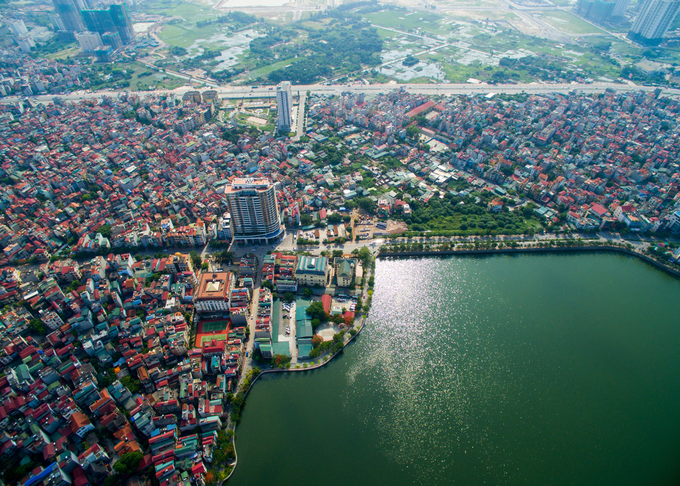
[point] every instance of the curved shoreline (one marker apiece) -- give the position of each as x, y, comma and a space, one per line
490, 251
288, 370
607, 248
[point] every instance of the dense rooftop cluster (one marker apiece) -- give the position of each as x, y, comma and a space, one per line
115, 361
23, 75
589, 161
100, 363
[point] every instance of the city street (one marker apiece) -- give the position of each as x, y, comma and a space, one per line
336, 89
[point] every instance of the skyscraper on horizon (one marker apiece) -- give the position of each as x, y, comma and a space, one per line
254, 211
69, 13
595, 10
115, 19
620, 8
284, 104
654, 19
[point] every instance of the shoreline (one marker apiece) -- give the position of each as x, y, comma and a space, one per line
288, 370
595, 248
578, 249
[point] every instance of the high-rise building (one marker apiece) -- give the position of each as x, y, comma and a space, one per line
254, 211
620, 8
112, 39
121, 19
115, 19
653, 21
57, 23
89, 41
69, 14
595, 10
284, 105
18, 27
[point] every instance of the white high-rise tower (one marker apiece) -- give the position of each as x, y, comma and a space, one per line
284, 105
254, 211
653, 21
620, 8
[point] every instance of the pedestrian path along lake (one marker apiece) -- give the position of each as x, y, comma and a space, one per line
551, 369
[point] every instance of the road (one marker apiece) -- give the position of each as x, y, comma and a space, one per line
337, 89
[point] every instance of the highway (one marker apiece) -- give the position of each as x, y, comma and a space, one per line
244, 92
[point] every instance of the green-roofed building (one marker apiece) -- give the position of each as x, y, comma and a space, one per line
344, 271
281, 348
266, 350
312, 271
303, 329
304, 350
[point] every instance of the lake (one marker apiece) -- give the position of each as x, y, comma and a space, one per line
548, 369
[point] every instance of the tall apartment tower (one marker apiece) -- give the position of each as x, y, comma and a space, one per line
595, 10
69, 14
115, 19
254, 211
620, 8
284, 104
653, 21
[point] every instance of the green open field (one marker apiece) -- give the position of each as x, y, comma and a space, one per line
263, 71
183, 35
63, 54
405, 20
569, 23
189, 11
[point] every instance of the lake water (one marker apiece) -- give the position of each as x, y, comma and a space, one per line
504, 370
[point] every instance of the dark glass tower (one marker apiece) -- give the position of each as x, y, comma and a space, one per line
69, 15
115, 19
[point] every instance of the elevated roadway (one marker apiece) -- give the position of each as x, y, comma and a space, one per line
245, 92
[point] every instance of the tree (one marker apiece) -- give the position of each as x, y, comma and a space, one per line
204, 266
268, 285
307, 292
334, 218
196, 259
316, 311
128, 463
104, 230
412, 131
288, 296
36, 326
359, 306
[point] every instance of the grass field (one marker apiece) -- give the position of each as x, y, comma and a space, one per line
405, 20
71, 51
568, 23
189, 11
183, 35
263, 71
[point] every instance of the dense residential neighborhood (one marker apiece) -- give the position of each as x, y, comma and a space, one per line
123, 357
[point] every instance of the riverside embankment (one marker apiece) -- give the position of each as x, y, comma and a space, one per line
467, 370
323, 361
494, 251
